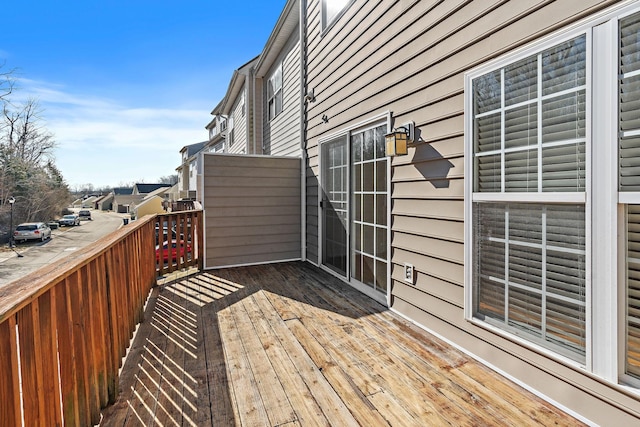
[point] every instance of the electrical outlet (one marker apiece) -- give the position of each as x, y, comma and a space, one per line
408, 273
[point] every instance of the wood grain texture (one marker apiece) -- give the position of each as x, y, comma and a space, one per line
287, 344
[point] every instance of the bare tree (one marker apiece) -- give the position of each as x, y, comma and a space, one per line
7, 83
27, 170
169, 179
22, 134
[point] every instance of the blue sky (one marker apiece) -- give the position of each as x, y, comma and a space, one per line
124, 85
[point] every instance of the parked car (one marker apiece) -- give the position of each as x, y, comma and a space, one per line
85, 214
32, 231
71, 219
183, 251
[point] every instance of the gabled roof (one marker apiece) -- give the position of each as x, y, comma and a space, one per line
235, 86
148, 188
122, 190
147, 200
128, 199
284, 28
158, 192
193, 148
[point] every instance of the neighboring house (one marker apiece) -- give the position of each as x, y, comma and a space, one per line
89, 202
106, 202
237, 108
216, 129
126, 203
147, 188
163, 192
148, 206
510, 228
122, 190
188, 170
278, 80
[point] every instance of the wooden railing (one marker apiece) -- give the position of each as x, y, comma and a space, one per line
179, 241
65, 329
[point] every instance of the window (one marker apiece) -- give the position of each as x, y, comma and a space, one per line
529, 139
331, 9
230, 133
231, 141
369, 208
274, 92
629, 179
553, 195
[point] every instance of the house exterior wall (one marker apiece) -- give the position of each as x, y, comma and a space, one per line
149, 207
193, 174
239, 119
409, 58
281, 135
252, 209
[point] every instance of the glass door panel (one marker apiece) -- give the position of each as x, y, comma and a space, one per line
369, 201
335, 215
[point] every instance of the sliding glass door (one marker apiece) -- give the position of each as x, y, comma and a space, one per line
354, 208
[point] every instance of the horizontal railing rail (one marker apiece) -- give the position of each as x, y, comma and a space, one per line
65, 328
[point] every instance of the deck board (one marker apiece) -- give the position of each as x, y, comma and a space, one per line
290, 345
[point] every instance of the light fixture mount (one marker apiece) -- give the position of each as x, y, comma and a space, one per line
396, 142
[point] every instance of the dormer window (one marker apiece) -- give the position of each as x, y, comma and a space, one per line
331, 9
274, 92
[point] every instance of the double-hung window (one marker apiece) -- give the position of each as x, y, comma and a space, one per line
552, 196
629, 180
274, 92
528, 196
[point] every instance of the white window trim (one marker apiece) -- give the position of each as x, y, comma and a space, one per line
558, 197
377, 120
604, 204
326, 25
276, 113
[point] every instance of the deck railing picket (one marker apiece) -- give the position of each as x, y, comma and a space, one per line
65, 329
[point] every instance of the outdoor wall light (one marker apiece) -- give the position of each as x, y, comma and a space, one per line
398, 140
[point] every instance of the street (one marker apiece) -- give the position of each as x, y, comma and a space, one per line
64, 241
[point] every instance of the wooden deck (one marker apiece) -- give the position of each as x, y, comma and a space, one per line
289, 345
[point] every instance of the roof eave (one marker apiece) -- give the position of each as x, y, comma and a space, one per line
284, 28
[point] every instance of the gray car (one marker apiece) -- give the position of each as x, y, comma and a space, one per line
32, 231
71, 219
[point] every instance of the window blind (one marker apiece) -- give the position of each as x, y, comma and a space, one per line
530, 272
629, 104
633, 290
629, 177
508, 109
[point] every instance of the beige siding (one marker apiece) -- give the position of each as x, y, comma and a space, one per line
258, 113
409, 57
281, 136
240, 136
252, 209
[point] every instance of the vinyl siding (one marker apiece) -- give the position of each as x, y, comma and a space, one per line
281, 135
409, 57
240, 140
252, 209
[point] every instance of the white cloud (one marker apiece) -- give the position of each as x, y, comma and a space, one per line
103, 142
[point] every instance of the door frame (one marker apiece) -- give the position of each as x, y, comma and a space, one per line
346, 132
